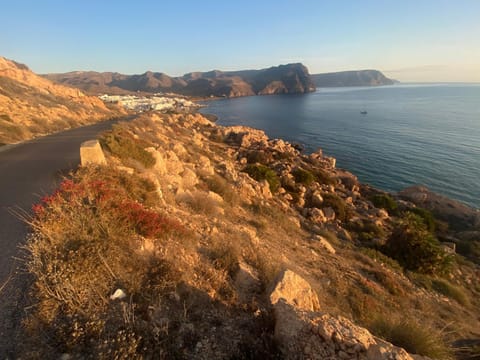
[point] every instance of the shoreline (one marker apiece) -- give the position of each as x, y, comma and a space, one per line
226, 117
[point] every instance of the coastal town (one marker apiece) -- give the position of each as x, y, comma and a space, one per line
157, 102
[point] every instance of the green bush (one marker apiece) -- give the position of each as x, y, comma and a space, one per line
367, 230
427, 217
386, 202
413, 337
338, 205
122, 144
413, 246
258, 156
303, 176
262, 172
456, 293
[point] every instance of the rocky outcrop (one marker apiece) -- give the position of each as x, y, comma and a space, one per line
283, 79
458, 215
351, 78
303, 333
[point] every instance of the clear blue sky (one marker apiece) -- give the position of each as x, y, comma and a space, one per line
411, 40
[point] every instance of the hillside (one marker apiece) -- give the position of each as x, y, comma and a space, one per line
31, 105
184, 239
283, 79
351, 78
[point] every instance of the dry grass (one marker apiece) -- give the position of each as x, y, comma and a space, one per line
413, 337
87, 243
457, 293
219, 185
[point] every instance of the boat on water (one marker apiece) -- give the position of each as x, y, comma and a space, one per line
363, 112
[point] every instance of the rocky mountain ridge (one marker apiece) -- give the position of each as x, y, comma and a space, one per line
352, 78
282, 79
31, 105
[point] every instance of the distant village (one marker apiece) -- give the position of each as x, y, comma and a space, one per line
156, 102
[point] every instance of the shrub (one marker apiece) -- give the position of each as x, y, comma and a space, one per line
219, 185
444, 287
225, 256
386, 202
416, 248
367, 230
122, 144
323, 177
387, 281
258, 156
414, 338
426, 216
303, 176
261, 172
85, 244
338, 205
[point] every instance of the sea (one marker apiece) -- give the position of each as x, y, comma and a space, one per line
391, 137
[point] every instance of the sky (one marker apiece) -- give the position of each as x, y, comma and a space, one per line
408, 40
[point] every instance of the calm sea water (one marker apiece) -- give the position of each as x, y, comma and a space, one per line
412, 134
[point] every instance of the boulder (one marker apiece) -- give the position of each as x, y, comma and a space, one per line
264, 189
316, 215
316, 199
91, 153
247, 282
303, 333
189, 178
294, 290
160, 163
329, 213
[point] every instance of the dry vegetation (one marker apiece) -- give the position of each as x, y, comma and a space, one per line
178, 235
32, 106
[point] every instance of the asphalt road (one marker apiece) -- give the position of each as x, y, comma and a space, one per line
29, 171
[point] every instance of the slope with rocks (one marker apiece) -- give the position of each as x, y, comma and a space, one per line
208, 242
283, 79
31, 105
351, 78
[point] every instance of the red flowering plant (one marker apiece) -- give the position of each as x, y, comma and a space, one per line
85, 240
109, 201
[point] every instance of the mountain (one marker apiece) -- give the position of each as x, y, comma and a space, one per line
351, 78
283, 79
31, 105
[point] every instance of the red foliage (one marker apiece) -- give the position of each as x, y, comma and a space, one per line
104, 196
147, 222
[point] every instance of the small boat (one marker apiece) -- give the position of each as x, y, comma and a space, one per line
364, 112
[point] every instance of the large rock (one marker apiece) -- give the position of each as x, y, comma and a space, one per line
91, 153
294, 290
303, 333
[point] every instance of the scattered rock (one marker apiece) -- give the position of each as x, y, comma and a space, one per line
325, 244
329, 214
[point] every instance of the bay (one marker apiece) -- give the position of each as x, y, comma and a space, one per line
412, 134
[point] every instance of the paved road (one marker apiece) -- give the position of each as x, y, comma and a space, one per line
27, 172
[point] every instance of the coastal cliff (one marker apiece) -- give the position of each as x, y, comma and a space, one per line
283, 79
351, 78
198, 241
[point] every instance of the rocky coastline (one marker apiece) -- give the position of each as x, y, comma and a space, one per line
269, 252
